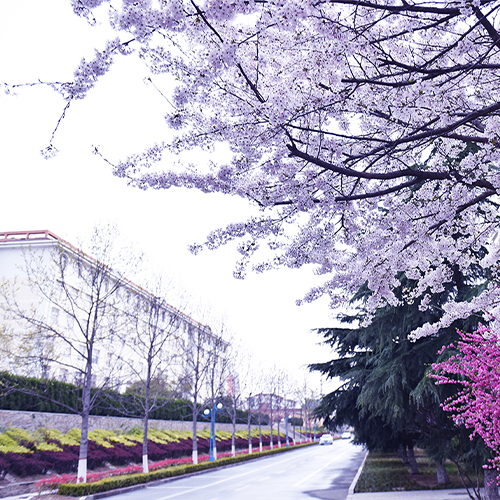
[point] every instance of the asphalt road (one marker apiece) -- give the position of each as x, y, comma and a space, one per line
323, 472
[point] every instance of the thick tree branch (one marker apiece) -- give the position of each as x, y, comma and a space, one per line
433, 133
377, 194
419, 174
405, 7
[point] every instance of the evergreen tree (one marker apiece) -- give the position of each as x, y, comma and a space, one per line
385, 394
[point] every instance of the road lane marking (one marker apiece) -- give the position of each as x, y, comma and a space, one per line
243, 487
319, 470
224, 480
263, 479
280, 472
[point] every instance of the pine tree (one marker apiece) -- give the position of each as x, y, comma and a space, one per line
386, 395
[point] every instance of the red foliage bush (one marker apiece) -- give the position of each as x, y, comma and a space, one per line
23, 464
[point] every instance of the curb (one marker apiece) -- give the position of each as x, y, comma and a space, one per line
350, 493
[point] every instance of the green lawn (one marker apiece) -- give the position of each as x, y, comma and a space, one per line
386, 472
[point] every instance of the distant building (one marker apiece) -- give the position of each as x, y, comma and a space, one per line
48, 322
274, 406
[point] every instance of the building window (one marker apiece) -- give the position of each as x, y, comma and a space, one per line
95, 357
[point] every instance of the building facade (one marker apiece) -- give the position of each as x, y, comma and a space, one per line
65, 314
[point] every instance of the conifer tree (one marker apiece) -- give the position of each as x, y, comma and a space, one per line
385, 393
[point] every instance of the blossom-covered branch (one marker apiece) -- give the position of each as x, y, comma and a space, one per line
474, 368
366, 131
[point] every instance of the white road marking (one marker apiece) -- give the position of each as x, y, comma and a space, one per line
224, 480
319, 470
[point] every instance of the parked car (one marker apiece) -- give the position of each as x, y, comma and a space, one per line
346, 435
326, 439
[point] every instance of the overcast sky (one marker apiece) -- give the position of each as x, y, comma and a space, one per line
74, 191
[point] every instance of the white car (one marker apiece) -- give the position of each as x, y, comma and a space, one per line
346, 435
326, 439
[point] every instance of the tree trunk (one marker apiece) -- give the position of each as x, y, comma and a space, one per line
195, 440
84, 438
279, 437
214, 440
233, 440
249, 431
442, 473
490, 485
145, 463
403, 454
260, 435
84, 443
413, 462
271, 425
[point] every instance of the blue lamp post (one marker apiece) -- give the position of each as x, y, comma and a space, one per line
211, 413
287, 419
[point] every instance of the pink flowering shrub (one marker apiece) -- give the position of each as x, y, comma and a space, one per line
475, 369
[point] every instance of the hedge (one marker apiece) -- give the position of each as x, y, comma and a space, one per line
112, 483
60, 397
53, 396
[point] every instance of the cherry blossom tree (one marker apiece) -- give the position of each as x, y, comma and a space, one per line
474, 368
365, 132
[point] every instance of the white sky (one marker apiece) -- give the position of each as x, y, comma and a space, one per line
73, 192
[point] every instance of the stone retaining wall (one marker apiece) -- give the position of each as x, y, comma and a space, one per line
64, 422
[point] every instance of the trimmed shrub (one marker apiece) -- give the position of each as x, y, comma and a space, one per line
25, 463
60, 461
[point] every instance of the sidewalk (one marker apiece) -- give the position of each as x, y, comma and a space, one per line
460, 494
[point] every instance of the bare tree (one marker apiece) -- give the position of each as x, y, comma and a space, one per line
197, 349
218, 360
154, 331
253, 381
271, 384
259, 419
303, 395
62, 309
239, 381
282, 389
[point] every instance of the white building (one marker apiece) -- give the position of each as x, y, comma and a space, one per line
64, 312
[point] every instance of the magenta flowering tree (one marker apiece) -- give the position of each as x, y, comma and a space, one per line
475, 369
366, 132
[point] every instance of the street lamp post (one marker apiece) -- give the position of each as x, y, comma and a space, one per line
211, 413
